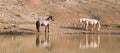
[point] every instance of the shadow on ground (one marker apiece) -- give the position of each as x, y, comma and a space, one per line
71, 27
17, 31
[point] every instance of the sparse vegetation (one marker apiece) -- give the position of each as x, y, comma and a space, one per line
111, 25
18, 15
28, 11
115, 25
97, 9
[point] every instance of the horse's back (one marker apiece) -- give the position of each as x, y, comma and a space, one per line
90, 21
95, 21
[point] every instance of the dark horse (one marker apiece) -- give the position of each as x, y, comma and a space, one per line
45, 23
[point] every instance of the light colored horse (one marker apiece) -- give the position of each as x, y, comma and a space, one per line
92, 22
45, 23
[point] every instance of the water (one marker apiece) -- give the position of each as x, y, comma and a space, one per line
53, 43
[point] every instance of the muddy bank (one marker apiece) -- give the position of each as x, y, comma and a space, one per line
22, 32
16, 32
57, 29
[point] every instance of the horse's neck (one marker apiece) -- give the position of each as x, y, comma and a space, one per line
85, 20
47, 19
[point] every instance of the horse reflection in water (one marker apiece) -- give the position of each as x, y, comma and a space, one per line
90, 41
43, 43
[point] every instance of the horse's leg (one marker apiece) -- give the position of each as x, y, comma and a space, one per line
93, 27
45, 35
86, 26
48, 28
98, 26
38, 29
45, 28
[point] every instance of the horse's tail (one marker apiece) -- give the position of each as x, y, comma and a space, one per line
37, 25
99, 25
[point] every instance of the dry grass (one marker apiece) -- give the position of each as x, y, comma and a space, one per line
23, 12
97, 9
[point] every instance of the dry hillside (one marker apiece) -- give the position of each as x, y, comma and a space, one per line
107, 11
64, 11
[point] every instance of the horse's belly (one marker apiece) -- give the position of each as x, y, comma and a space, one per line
42, 25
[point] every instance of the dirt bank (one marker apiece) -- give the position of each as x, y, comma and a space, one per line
57, 29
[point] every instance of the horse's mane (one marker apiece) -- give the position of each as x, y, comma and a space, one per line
49, 17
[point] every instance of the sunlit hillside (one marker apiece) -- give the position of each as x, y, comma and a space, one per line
27, 11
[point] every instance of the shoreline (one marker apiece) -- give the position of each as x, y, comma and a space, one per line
56, 29
20, 32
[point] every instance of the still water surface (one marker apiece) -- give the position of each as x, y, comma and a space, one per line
53, 43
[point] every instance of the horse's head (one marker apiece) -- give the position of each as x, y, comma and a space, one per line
50, 18
80, 20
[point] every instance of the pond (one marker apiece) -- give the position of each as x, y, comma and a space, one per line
62, 43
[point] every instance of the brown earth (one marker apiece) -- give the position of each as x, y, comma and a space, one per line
19, 16
57, 29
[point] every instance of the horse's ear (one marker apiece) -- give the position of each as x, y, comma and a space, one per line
50, 16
